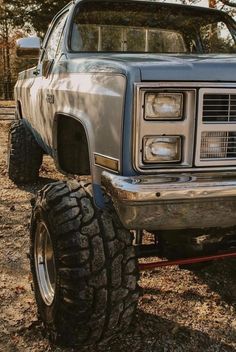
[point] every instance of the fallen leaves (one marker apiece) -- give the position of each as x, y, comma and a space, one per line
179, 311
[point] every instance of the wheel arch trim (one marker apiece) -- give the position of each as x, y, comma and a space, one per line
80, 118
96, 171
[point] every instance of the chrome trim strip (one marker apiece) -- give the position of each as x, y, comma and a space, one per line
106, 162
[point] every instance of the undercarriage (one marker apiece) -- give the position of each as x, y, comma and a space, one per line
184, 247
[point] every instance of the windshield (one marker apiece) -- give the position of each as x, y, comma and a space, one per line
149, 28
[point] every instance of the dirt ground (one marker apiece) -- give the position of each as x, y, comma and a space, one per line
179, 310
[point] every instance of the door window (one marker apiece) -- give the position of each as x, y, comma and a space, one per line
55, 39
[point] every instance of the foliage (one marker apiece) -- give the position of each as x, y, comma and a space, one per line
28, 14
42, 11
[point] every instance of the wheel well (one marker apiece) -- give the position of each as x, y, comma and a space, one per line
72, 146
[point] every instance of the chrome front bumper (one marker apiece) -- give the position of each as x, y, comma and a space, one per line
165, 202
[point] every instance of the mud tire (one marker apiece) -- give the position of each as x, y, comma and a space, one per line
96, 290
24, 154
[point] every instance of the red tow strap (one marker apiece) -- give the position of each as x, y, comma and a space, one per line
153, 265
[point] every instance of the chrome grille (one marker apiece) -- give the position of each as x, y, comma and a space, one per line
216, 127
218, 145
219, 108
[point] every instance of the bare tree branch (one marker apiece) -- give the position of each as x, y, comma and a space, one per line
230, 3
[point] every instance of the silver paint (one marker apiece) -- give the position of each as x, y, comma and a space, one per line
94, 99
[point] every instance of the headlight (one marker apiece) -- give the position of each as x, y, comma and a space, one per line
163, 106
162, 149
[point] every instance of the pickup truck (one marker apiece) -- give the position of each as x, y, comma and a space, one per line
136, 102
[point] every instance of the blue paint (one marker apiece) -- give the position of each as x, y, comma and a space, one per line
98, 196
127, 167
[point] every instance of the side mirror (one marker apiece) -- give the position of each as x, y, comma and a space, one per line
28, 47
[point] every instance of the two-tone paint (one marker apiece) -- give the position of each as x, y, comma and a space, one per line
103, 93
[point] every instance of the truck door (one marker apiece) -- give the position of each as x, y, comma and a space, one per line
40, 95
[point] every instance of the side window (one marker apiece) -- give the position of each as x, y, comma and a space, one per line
55, 38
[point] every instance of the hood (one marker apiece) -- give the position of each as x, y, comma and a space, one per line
165, 67
183, 68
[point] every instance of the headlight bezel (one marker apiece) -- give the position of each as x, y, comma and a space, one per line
184, 127
179, 144
163, 94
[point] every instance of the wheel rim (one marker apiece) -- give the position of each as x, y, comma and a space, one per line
45, 263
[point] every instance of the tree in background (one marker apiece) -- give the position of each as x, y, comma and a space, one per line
13, 23
39, 18
17, 18
220, 4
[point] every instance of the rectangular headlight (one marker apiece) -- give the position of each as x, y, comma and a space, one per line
167, 106
162, 149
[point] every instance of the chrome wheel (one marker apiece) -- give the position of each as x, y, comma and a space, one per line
45, 263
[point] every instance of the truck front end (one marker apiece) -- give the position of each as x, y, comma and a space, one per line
179, 178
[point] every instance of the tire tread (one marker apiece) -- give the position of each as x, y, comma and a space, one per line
24, 154
108, 254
